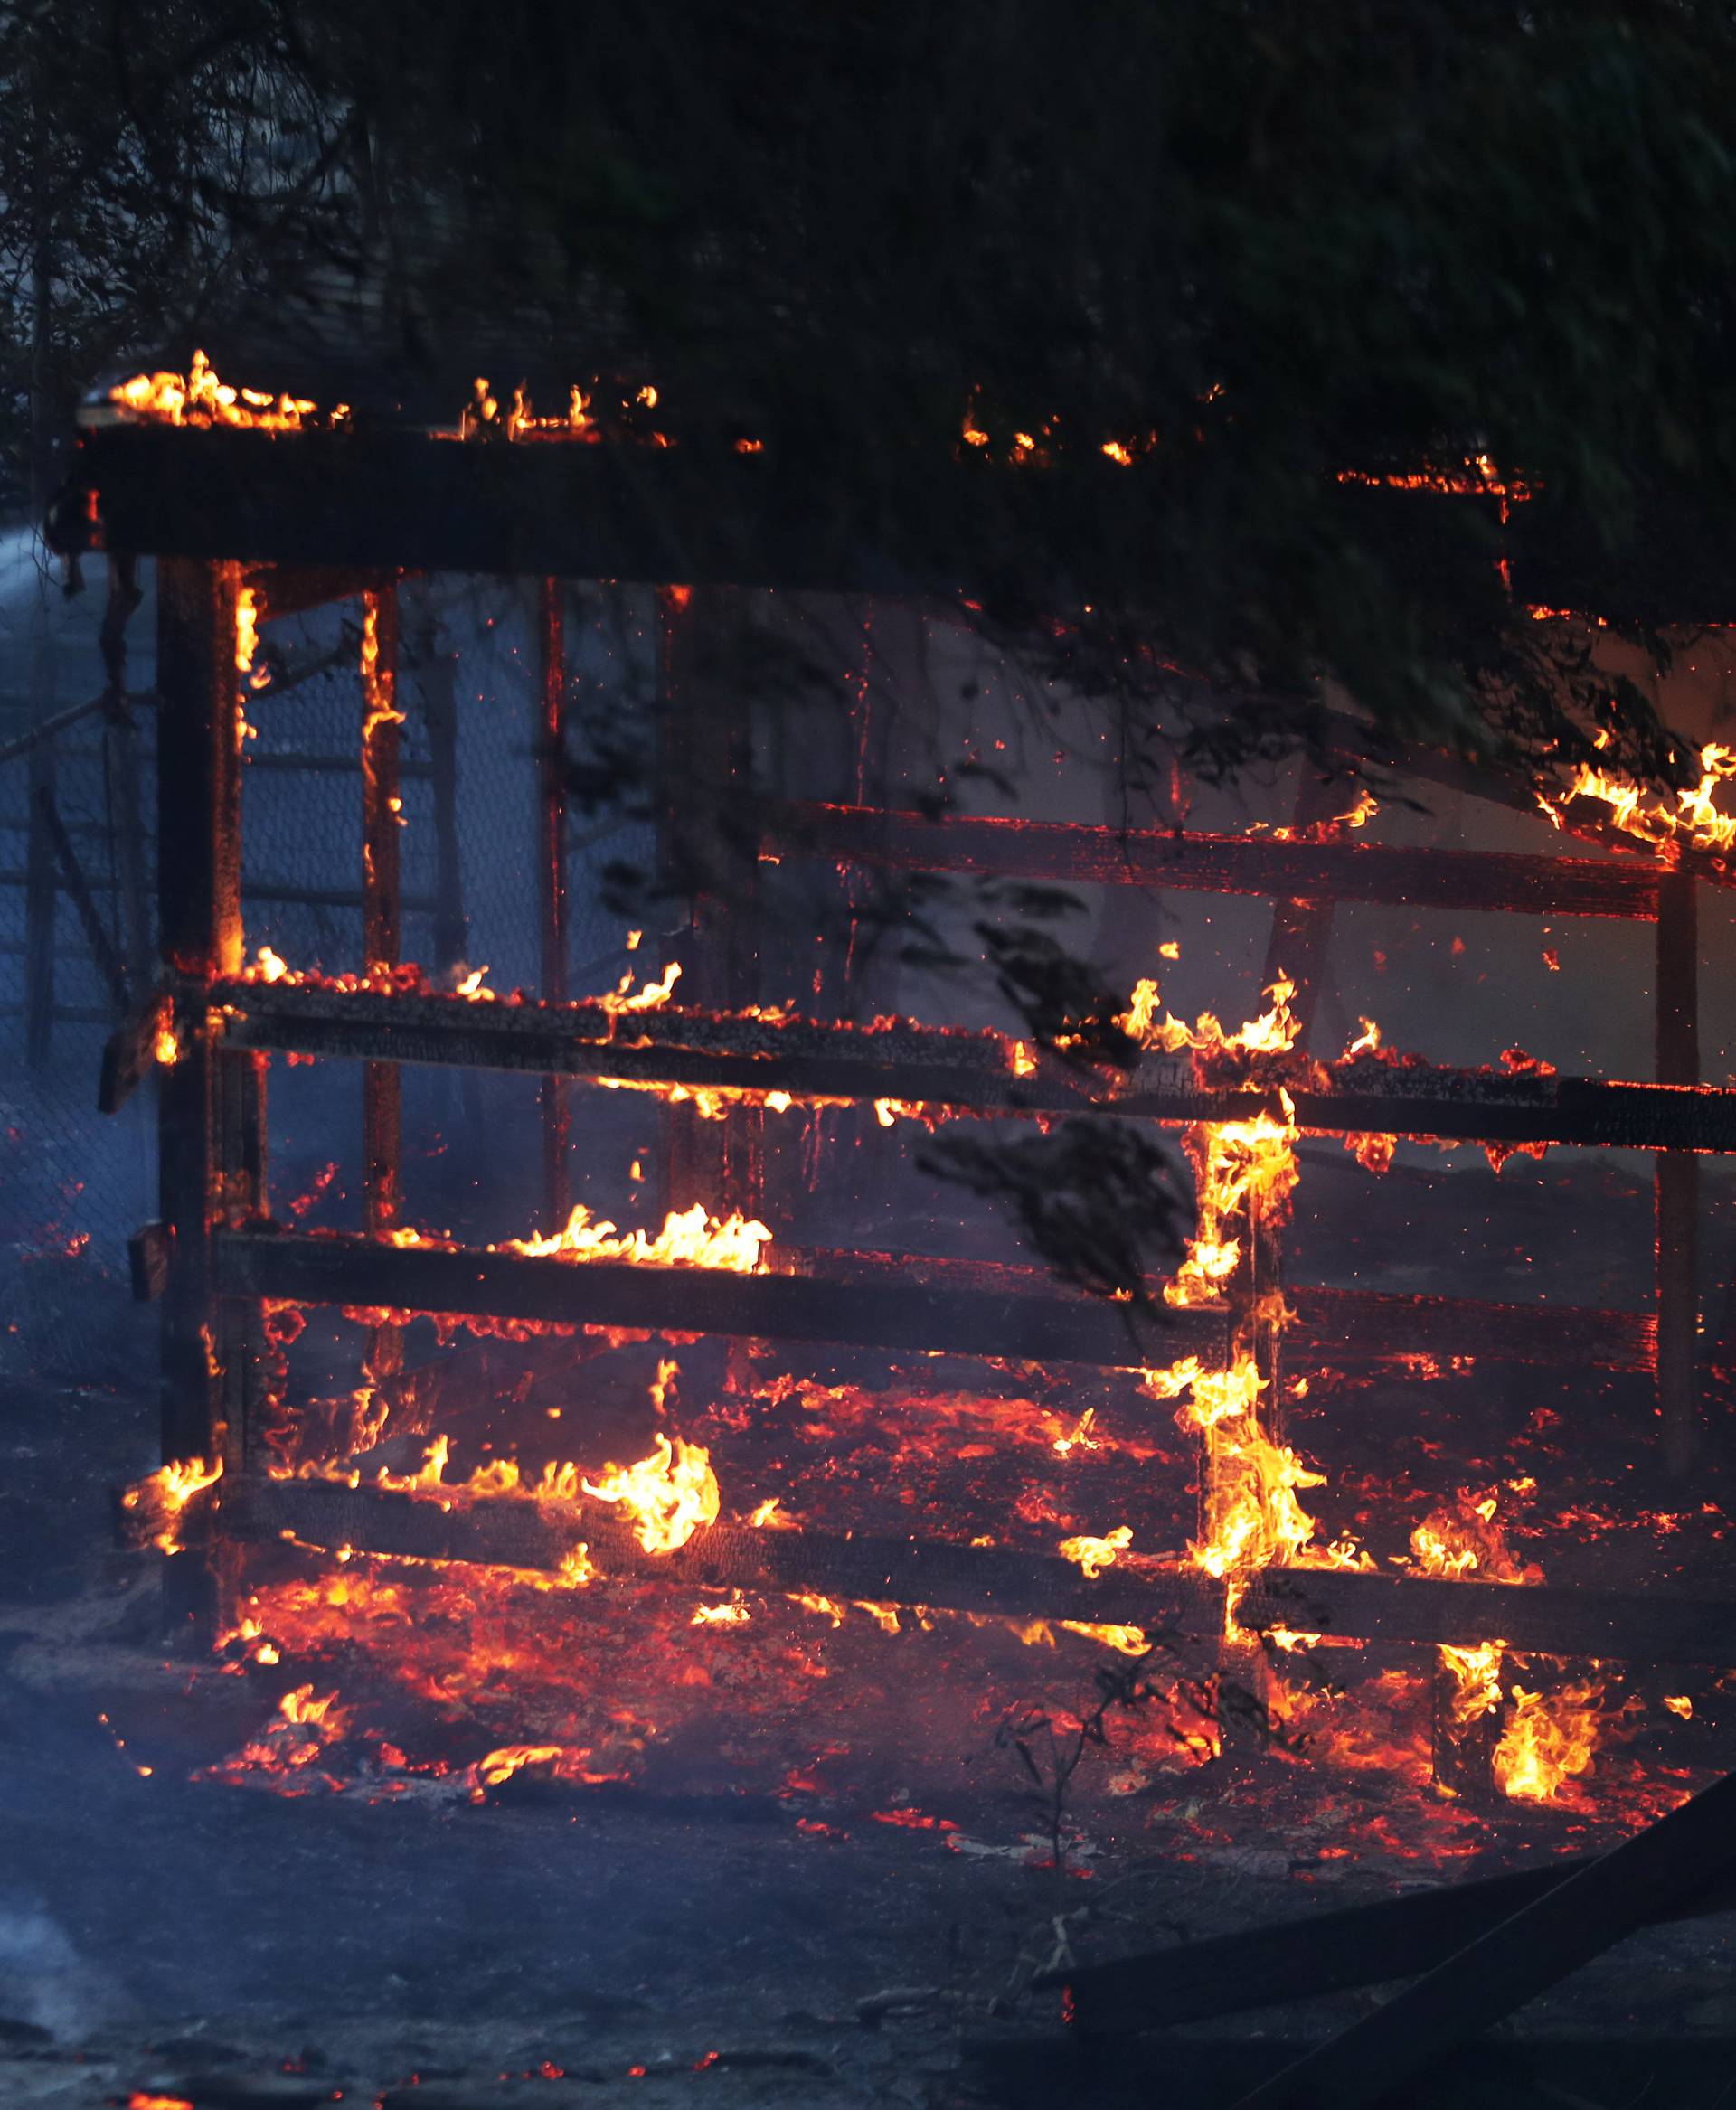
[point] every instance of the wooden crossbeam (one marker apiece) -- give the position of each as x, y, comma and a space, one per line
1503, 881
786, 518
969, 1072
904, 1304
1643, 1627
289, 590
541, 1534
1320, 1953
896, 1305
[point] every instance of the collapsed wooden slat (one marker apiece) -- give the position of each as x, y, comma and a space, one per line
519, 1532
1541, 1942
1644, 1626
1503, 881
948, 1069
1320, 1953
907, 1304
524, 1533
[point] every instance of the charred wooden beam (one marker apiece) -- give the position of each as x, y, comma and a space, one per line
1321, 1953
289, 589
1382, 2056
1340, 1326
1642, 1627
799, 514
1060, 851
330, 897
950, 1070
210, 1109
540, 1535
907, 1305
893, 1305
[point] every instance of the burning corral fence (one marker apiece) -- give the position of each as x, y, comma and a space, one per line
252, 520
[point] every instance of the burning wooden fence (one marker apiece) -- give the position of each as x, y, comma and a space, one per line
236, 518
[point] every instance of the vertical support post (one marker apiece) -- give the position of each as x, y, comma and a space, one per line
380, 927
1676, 1176
551, 889
212, 1106
1462, 1744
712, 856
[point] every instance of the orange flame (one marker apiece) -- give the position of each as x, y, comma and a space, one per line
198, 397
1476, 1672
671, 1493
1548, 1742
652, 997
1695, 822
1094, 1555
689, 1238
162, 1496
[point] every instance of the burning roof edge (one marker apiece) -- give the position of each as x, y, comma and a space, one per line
349, 462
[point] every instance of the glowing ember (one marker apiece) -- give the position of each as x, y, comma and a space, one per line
1679, 1704
733, 1614
1477, 477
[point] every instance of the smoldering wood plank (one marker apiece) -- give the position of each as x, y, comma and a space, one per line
1057, 852
540, 1535
1320, 1953
1642, 1627
947, 1069
523, 1534
1534, 1947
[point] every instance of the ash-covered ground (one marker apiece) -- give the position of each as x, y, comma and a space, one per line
215, 1944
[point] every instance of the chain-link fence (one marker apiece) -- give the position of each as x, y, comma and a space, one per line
77, 884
